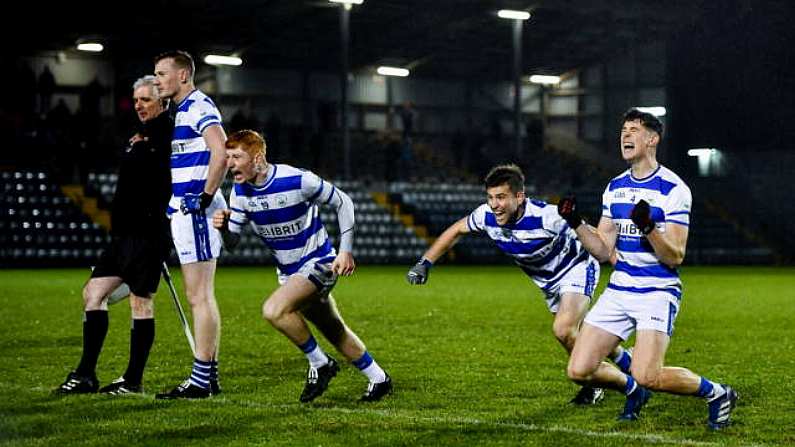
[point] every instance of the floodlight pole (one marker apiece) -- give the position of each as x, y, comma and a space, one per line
517, 84
345, 10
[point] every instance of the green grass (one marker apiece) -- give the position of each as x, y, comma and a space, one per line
471, 353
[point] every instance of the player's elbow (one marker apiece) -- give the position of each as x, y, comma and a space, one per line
676, 259
602, 257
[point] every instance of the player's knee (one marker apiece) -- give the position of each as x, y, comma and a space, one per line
92, 298
565, 332
579, 372
141, 307
272, 311
198, 297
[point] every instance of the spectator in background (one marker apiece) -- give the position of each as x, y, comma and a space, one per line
459, 149
46, 89
535, 135
407, 116
60, 115
59, 121
243, 118
407, 119
25, 91
273, 130
90, 99
495, 128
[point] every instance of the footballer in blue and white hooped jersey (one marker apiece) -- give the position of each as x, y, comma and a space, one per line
284, 214
190, 156
638, 269
281, 203
644, 225
543, 246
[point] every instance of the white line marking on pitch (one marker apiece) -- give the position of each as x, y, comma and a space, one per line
651, 438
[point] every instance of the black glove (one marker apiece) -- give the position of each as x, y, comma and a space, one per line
641, 217
567, 208
419, 273
195, 203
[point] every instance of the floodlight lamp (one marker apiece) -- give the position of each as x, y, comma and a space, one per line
392, 71
701, 152
545, 79
91, 47
215, 59
513, 14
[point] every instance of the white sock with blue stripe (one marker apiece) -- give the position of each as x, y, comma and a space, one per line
200, 375
710, 390
623, 360
370, 368
631, 386
314, 354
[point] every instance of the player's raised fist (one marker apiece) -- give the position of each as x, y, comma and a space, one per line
567, 208
641, 217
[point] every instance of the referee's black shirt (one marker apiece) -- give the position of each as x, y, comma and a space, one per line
144, 186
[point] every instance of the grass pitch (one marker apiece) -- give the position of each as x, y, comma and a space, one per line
471, 353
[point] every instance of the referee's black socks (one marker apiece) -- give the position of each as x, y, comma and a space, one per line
142, 335
95, 328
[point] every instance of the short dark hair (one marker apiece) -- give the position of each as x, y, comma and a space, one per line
647, 120
182, 59
507, 173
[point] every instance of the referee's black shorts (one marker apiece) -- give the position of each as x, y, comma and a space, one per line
137, 260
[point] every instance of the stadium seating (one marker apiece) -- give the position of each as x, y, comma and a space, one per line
102, 186
438, 205
39, 226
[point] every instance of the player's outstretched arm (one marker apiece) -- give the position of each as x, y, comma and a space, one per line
419, 273
221, 222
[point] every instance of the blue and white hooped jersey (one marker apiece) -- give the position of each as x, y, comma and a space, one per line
638, 269
190, 156
284, 213
540, 242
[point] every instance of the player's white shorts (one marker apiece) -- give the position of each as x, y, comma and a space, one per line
318, 271
195, 238
621, 313
582, 279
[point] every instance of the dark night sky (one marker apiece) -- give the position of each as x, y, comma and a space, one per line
733, 84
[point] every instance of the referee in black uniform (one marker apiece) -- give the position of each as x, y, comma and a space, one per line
140, 244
